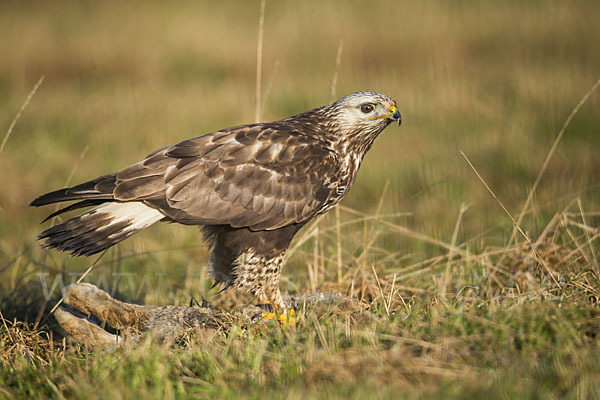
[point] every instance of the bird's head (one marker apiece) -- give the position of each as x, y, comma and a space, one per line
360, 116
368, 109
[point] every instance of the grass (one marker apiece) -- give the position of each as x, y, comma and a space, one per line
459, 305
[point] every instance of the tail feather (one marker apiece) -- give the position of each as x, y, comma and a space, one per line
97, 189
100, 228
75, 206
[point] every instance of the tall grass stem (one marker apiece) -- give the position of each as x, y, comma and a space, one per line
261, 25
14, 121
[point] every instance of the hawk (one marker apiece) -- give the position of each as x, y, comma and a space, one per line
250, 188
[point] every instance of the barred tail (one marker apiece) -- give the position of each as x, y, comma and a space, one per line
100, 228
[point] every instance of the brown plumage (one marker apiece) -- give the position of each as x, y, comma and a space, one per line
251, 187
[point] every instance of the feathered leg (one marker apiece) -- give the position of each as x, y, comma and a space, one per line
251, 260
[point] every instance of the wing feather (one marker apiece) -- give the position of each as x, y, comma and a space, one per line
251, 176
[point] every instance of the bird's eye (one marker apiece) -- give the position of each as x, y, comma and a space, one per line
366, 108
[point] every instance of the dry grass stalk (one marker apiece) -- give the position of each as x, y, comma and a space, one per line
5, 326
259, 50
511, 218
14, 121
385, 304
23, 342
443, 287
589, 239
338, 62
583, 100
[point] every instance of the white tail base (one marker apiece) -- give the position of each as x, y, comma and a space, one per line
140, 215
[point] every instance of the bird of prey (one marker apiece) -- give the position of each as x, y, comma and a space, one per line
250, 187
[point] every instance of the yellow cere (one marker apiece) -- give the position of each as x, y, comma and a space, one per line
391, 110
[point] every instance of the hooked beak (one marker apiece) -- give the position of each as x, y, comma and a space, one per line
394, 115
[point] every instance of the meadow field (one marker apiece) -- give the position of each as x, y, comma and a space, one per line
471, 235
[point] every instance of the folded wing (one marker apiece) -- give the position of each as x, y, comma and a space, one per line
257, 176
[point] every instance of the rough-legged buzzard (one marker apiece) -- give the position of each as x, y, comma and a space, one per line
250, 187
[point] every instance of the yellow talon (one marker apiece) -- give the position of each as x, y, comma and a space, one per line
287, 318
268, 315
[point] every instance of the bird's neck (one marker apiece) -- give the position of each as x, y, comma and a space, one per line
321, 124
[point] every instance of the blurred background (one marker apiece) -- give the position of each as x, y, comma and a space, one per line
496, 80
